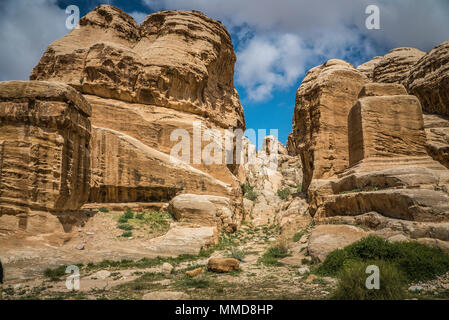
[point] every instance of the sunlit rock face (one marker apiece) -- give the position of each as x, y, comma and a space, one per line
44, 155
320, 126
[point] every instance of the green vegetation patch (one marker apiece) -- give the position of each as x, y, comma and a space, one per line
416, 261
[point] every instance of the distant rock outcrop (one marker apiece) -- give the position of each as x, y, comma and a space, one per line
396, 64
367, 68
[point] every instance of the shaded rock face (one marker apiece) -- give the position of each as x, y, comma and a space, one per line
396, 64
173, 71
44, 155
429, 80
320, 127
437, 132
176, 59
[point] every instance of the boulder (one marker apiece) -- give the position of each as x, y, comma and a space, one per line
183, 240
167, 268
44, 154
396, 64
327, 238
205, 210
195, 272
222, 265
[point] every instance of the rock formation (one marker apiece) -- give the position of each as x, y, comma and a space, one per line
173, 72
396, 64
367, 68
44, 155
320, 129
429, 80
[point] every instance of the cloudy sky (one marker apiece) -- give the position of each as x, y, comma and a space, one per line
276, 41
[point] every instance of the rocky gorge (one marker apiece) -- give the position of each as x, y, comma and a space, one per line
88, 179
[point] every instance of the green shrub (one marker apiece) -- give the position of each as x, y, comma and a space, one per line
284, 193
55, 274
125, 226
271, 256
298, 235
417, 261
103, 209
128, 214
352, 282
248, 191
140, 216
299, 188
127, 234
122, 219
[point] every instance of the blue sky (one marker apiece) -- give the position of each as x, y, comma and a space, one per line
276, 42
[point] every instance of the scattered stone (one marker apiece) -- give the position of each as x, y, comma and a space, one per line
167, 268
415, 289
195, 272
398, 238
223, 265
103, 274
303, 270
80, 246
310, 278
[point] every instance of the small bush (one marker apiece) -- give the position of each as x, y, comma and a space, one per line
128, 214
272, 254
55, 274
127, 234
140, 216
248, 191
298, 235
417, 261
125, 226
299, 188
284, 193
122, 219
352, 282
103, 209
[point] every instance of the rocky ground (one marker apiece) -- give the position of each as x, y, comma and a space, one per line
261, 276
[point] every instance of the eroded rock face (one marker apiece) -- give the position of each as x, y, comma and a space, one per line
396, 64
176, 59
44, 154
437, 132
367, 68
126, 170
320, 127
429, 80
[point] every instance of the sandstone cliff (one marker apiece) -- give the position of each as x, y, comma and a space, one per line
143, 82
44, 155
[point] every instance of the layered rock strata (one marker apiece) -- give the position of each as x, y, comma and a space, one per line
45, 150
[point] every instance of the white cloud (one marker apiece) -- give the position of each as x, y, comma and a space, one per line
26, 30
287, 35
